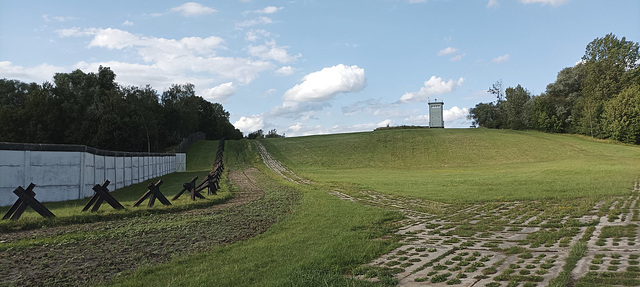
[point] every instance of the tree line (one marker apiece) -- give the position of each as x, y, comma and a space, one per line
598, 97
92, 109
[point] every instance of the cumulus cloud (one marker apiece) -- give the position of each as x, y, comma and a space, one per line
447, 51
454, 114
254, 35
326, 83
545, 2
501, 59
174, 57
127, 23
113, 39
492, 3
38, 74
271, 51
285, 71
433, 86
192, 9
250, 124
219, 93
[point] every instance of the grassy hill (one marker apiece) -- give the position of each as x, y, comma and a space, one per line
464, 165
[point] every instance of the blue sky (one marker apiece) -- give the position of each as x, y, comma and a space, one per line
314, 67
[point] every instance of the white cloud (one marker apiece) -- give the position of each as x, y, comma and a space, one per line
175, 57
454, 114
249, 124
376, 108
433, 86
77, 32
447, 51
38, 74
220, 93
420, 120
127, 23
326, 83
48, 18
254, 35
268, 10
254, 22
271, 51
492, 3
298, 110
300, 129
113, 39
192, 9
501, 59
545, 2
454, 117
457, 57
285, 71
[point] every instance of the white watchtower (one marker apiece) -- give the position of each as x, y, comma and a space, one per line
435, 114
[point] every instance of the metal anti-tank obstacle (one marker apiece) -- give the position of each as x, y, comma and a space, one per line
26, 198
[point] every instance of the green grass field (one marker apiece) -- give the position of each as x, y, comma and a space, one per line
322, 239
466, 165
315, 237
199, 162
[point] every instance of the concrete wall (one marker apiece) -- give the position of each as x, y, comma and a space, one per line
69, 172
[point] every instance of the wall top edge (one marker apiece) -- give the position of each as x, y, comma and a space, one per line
74, 148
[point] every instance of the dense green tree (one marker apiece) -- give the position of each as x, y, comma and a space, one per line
515, 106
485, 115
562, 95
273, 134
259, 134
92, 109
610, 65
544, 116
621, 116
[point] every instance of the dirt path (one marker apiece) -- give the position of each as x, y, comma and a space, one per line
278, 167
84, 254
500, 243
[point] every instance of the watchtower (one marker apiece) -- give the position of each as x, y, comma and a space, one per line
435, 114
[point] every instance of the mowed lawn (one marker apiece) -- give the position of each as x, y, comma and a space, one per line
464, 165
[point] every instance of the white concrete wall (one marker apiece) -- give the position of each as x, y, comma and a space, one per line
67, 175
181, 162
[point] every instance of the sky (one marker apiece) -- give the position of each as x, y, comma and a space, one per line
306, 67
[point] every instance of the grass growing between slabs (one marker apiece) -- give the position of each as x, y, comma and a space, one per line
466, 165
199, 161
322, 239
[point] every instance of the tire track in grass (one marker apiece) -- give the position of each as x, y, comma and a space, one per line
446, 249
278, 167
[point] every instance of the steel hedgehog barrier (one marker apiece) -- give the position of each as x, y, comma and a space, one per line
26, 197
212, 181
